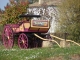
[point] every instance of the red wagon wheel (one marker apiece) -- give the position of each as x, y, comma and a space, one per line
23, 41
8, 37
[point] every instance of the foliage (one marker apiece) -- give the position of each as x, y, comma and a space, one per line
1, 11
1, 27
69, 18
13, 10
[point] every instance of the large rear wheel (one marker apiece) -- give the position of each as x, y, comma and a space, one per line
7, 37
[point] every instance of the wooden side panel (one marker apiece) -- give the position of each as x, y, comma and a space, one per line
22, 27
33, 29
43, 29
33, 25
40, 25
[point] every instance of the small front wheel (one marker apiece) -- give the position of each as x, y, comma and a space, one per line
23, 41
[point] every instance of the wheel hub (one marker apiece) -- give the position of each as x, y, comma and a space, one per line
23, 41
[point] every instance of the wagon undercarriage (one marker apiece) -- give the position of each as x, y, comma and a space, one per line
25, 40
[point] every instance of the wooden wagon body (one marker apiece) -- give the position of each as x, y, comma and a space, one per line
25, 31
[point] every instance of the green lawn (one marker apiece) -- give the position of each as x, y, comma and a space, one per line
36, 53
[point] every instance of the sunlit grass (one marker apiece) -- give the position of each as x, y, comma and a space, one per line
36, 53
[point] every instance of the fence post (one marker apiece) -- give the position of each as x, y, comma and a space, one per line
63, 42
65, 35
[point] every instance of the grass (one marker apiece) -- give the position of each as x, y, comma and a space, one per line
36, 53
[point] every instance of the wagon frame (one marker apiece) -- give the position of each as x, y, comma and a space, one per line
25, 31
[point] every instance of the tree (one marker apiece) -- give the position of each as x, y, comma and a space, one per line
69, 18
13, 10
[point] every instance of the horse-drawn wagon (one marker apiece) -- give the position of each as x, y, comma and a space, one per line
25, 31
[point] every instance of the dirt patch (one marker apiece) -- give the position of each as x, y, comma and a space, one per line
71, 57
75, 57
55, 58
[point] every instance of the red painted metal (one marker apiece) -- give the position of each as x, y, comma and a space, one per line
23, 41
7, 37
